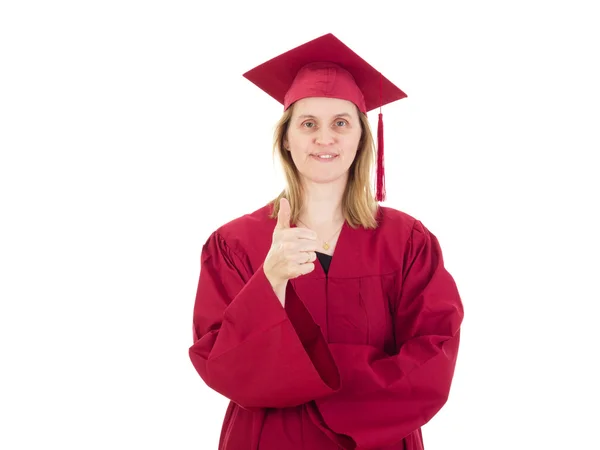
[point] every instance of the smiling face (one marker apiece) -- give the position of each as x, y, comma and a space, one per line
323, 137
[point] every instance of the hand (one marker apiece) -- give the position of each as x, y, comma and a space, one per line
292, 251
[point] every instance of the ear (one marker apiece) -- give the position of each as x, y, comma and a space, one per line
286, 144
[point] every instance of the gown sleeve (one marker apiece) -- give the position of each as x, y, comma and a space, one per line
246, 345
384, 398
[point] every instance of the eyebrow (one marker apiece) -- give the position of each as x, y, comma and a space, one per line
310, 116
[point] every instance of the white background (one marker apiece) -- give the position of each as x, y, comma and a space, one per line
127, 134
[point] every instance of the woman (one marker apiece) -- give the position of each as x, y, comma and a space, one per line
329, 321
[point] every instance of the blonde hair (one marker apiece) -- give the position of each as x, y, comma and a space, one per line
359, 206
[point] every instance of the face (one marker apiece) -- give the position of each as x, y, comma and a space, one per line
323, 137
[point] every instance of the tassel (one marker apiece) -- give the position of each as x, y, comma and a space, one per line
380, 194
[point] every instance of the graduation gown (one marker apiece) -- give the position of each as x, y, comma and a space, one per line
361, 356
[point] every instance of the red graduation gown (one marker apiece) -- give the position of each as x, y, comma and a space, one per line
360, 357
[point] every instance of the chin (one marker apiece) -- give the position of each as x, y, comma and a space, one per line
322, 179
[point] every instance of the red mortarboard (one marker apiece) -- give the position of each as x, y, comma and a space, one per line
326, 67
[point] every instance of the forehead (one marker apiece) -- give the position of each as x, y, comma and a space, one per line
324, 107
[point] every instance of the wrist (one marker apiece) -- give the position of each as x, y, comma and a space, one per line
274, 282
278, 285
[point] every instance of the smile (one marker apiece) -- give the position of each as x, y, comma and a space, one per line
325, 158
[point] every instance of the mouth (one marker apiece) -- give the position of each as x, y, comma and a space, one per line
324, 157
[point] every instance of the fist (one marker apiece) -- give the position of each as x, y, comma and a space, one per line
292, 251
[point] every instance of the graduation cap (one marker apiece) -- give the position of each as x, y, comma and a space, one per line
326, 67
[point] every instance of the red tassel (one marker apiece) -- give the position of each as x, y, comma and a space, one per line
380, 194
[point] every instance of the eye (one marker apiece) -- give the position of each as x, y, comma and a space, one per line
308, 124
341, 123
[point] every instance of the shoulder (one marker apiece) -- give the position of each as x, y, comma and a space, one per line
392, 217
248, 224
399, 238
396, 223
406, 231
400, 230
248, 233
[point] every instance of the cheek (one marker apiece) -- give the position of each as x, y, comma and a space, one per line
299, 155
299, 144
297, 151
350, 144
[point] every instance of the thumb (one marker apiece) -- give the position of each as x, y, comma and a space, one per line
283, 217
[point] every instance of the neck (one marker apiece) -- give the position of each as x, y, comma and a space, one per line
323, 203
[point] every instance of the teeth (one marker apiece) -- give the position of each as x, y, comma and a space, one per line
325, 156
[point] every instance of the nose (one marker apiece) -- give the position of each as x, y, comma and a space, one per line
324, 136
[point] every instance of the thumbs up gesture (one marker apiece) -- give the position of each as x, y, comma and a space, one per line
292, 251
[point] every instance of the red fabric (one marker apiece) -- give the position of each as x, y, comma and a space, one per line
359, 358
324, 79
276, 76
380, 184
